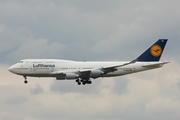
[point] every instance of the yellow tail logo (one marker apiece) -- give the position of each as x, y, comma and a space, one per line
156, 50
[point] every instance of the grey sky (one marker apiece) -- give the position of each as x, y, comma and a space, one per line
89, 30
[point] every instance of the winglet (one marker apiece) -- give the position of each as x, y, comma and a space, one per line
154, 52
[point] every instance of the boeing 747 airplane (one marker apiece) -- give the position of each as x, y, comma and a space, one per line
82, 72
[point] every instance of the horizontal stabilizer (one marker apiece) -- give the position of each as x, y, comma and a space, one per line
155, 65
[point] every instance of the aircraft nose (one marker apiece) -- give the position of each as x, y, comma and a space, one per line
11, 69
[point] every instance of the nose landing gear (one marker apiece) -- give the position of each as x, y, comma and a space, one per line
25, 81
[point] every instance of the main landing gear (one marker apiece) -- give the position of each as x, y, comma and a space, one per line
25, 81
83, 81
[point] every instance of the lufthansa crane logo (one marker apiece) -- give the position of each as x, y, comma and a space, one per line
156, 50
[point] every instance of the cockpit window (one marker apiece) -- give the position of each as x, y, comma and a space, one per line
20, 61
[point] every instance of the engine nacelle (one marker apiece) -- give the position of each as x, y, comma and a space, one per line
96, 73
71, 76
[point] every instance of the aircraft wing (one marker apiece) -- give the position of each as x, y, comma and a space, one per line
86, 73
105, 69
115, 66
108, 67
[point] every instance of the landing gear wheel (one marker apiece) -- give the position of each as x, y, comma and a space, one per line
25, 81
77, 80
89, 82
84, 83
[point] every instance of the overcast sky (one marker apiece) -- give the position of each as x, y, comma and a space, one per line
89, 30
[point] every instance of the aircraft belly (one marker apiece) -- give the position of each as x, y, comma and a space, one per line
39, 75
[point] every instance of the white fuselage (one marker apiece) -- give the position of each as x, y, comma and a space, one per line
83, 71
51, 67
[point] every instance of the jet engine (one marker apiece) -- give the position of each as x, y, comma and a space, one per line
96, 73
71, 76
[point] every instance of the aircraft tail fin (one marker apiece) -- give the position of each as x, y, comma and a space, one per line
154, 52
